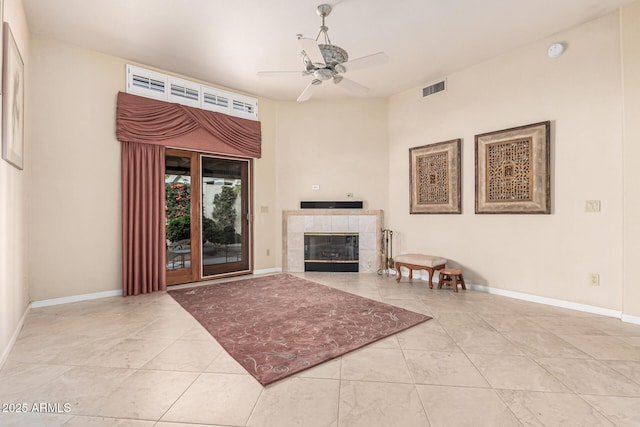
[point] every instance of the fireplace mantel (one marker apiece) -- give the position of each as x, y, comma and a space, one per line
367, 223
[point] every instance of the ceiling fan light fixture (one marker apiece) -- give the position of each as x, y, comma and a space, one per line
333, 54
323, 74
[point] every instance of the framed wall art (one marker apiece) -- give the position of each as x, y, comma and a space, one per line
513, 170
435, 178
1, 39
12, 100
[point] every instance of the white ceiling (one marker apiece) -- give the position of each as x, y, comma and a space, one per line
227, 42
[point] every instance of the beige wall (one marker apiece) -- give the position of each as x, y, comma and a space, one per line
14, 293
631, 151
545, 255
339, 145
266, 216
74, 181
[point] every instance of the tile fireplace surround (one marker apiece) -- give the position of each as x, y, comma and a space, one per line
367, 223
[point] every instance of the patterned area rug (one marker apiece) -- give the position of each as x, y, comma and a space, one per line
278, 325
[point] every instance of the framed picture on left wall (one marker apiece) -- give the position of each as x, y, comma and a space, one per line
1, 39
12, 100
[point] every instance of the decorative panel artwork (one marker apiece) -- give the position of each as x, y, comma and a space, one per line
512, 170
435, 178
509, 171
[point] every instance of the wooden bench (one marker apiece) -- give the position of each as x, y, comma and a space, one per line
428, 263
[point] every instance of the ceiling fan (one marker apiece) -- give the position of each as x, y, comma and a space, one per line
326, 61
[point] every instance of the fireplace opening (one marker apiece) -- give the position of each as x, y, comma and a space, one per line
331, 252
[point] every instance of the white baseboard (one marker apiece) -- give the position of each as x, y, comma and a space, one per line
14, 337
631, 319
76, 298
107, 294
547, 301
510, 294
268, 271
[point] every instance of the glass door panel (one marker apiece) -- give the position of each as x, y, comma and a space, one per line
182, 257
225, 216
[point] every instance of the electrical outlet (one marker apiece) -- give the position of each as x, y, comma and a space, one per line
592, 206
594, 279
315, 187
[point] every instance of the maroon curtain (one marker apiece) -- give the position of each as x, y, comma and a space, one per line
143, 232
149, 121
145, 126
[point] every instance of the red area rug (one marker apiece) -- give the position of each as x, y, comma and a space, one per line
278, 325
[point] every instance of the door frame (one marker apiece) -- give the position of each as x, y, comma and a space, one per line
194, 273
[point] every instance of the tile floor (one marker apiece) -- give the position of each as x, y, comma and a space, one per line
483, 360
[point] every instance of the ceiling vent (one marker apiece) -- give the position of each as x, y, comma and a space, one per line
439, 86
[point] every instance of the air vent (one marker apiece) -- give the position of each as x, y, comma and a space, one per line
440, 86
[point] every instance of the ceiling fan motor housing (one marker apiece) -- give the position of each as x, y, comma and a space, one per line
333, 55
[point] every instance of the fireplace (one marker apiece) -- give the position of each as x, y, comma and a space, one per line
367, 224
331, 252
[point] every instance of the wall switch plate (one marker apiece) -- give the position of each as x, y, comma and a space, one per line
592, 206
594, 279
315, 187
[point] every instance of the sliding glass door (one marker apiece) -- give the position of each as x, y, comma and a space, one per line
225, 215
207, 218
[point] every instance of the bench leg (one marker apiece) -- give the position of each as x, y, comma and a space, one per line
399, 270
430, 270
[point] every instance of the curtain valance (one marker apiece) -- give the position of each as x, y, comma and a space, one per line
150, 121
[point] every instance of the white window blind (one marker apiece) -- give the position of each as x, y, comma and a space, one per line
152, 84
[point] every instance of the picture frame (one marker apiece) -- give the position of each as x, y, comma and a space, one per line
12, 101
513, 170
1, 41
435, 178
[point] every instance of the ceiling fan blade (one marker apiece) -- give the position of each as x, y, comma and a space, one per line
310, 46
280, 73
350, 85
307, 92
366, 61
